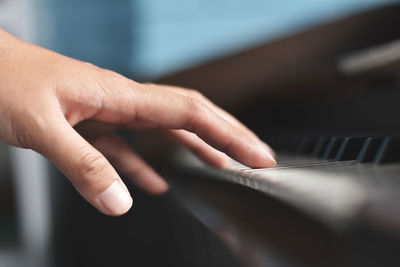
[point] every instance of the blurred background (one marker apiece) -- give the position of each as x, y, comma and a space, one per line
149, 39
145, 40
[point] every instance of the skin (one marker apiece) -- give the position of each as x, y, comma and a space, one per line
67, 110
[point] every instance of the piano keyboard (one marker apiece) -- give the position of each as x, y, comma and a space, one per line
376, 149
333, 177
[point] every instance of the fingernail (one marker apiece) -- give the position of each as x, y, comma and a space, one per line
116, 199
225, 161
228, 162
268, 154
269, 149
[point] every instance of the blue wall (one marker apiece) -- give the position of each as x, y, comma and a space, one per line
155, 37
178, 33
98, 31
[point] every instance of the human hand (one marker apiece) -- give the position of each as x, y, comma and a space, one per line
67, 111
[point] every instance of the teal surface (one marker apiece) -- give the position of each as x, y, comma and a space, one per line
155, 37
180, 33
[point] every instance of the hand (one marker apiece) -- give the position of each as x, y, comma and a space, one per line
67, 110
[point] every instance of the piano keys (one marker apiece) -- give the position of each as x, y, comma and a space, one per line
330, 110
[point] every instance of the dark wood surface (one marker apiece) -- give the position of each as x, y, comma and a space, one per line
301, 64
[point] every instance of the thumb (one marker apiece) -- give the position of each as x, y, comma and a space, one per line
86, 168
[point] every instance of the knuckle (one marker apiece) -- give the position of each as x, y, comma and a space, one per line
91, 165
107, 74
110, 85
196, 94
228, 146
116, 85
114, 76
148, 89
111, 81
196, 107
90, 65
148, 84
197, 112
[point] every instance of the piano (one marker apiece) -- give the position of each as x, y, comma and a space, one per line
327, 100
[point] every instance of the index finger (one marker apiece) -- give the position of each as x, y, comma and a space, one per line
224, 114
162, 108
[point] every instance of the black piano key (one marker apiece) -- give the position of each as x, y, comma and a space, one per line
283, 142
369, 149
350, 148
306, 145
279, 143
389, 150
294, 143
332, 147
320, 146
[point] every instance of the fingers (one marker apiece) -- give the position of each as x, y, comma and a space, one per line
236, 130
130, 164
225, 115
87, 169
161, 108
185, 113
205, 152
